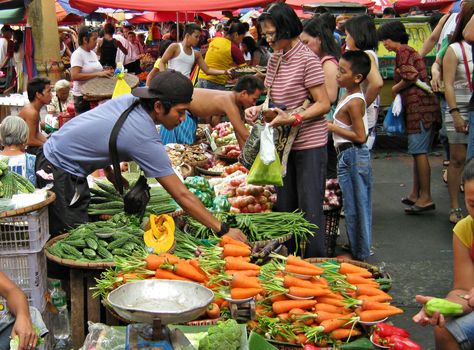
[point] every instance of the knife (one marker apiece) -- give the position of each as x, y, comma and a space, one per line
179, 341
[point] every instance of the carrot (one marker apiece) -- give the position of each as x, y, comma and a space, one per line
243, 293
168, 275
369, 290
154, 261
301, 339
319, 280
292, 281
381, 298
324, 315
285, 317
195, 264
236, 250
334, 323
358, 279
278, 297
375, 305
350, 268
376, 315
331, 301
343, 333
185, 269
219, 301
334, 296
300, 270
249, 273
307, 292
296, 312
365, 274
241, 281
280, 307
329, 308
234, 264
297, 261
229, 240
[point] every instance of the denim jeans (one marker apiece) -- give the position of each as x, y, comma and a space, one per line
470, 144
207, 84
462, 329
354, 173
303, 188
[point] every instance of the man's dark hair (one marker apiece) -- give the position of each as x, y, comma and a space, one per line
388, 11
190, 28
247, 26
250, 43
317, 28
164, 44
393, 30
363, 31
36, 85
285, 20
128, 26
85, 32
109, 28
236, 28
148, 104
6, 28
249, 84
360, 62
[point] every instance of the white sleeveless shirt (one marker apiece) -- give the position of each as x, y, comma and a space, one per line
182, 63
338, 140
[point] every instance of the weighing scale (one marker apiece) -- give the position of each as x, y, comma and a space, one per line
153, 304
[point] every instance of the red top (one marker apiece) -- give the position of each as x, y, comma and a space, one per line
237, 54
418, 105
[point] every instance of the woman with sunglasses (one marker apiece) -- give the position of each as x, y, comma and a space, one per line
294, 74
85, 65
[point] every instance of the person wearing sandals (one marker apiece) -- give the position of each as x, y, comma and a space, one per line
421, 112
457, 74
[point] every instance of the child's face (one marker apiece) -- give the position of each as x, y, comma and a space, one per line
469, 196
345, 77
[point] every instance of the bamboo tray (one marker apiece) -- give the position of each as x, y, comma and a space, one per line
51, 197
102, 88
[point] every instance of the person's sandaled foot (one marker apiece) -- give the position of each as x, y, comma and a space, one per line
455, 215
416, 209
408, 201
444, 175
446, 163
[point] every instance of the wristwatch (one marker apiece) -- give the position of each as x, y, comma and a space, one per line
224, 229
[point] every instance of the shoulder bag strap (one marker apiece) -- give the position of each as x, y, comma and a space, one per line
269, 90
466, 65
113, 146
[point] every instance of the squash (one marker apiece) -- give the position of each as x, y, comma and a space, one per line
160, 236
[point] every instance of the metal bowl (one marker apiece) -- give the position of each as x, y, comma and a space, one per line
171, 301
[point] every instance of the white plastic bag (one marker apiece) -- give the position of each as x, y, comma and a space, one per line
397, 105
267, 146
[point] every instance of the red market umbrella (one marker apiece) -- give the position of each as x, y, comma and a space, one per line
402, 6
164, 16
298, 4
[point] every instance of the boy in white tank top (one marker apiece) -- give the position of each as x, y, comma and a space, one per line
354, 171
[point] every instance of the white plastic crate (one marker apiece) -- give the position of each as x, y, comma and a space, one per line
28, 272
26, 233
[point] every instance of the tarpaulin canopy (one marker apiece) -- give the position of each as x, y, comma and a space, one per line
11, 11
402, 6
160, 5
164, 16
298, 4
65, 17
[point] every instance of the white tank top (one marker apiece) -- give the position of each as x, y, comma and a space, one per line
448, 29
182, 63
338, 140
373, 109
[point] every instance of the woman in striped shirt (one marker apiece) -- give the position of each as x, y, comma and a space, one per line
298, 76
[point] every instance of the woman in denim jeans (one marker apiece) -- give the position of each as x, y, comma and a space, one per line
458, 332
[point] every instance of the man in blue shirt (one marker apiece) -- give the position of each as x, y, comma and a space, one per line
82, 145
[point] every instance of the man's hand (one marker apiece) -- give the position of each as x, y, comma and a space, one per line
251, 114
435, 80
106, 73
422, 317
25, 331
331, 126
460, 125
237, 235
282, 118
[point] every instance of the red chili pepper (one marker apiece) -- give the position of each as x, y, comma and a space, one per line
397, 342
385, 330
377, 339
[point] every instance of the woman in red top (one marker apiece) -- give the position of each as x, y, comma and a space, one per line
421, 110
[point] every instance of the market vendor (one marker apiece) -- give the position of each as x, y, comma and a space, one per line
209, 106
82, 145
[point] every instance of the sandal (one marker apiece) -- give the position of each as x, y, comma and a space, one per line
444, 174
446, 162
455, 215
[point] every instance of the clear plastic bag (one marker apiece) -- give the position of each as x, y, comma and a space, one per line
267, 147
103, 337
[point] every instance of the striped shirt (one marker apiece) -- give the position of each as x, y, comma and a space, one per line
300, 70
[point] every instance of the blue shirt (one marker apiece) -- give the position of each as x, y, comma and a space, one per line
82, 145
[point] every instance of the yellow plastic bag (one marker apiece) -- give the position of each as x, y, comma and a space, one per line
121, 88
262, 174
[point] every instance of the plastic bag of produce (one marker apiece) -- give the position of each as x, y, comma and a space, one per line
198, 183
262, 174
221, 204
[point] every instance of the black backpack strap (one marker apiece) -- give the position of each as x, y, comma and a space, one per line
113, 146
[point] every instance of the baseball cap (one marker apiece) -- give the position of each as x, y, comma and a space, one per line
168, 85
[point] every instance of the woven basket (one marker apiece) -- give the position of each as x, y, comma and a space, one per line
51, 197
179, 212
102, 88
203, 171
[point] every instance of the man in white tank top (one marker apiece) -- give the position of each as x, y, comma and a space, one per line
354, 171
181, 56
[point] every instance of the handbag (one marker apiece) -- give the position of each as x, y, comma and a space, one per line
283, 136
137, 198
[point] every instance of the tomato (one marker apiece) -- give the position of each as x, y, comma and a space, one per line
233, 153
240, 191
244, 210
251, 208
235, 182
213, 310
258, 208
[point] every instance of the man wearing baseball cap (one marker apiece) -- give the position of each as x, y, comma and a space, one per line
81, 146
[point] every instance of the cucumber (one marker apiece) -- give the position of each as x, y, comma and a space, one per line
89, 253
118, 243
103, 243
70, 250
78, 243
130, 246
92, 243
120, 252
104, 253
